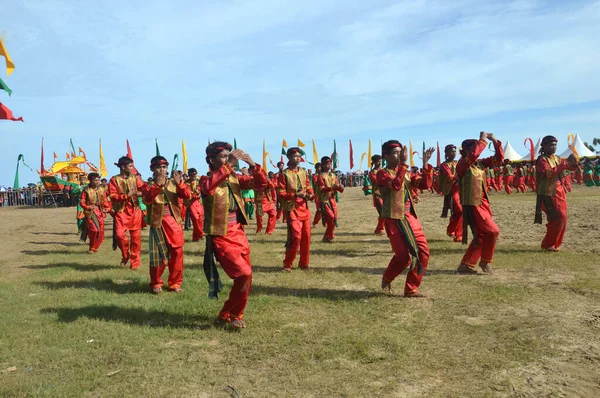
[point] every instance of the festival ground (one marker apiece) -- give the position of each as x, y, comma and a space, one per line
78, 325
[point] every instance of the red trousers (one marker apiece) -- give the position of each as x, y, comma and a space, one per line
402, 258
130, 219
508, 180
378, 203
519, 184
317, 213
95, 235
330, 218
484, 244
175, 240
555, 230
298, 238
197, 215
232, 251
271, 214
455, 225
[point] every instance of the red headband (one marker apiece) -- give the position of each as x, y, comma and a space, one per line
159, 163
390, 146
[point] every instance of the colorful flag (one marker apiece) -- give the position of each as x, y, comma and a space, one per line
264, 157
68, 156
438, 155
55, 156
369, 155
7, 114
157, 150
412, 160
4, 87
103, 171
315, 156
334, 157
9, 63
130, 156
20, 159
351, 156
362, 157
82, 152
300, 144
284, 144
184, 156
43, 170
237, 164
175, 165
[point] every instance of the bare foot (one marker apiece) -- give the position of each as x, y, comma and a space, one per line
157, 290
415, 294
486, 268
465, 269
386, 286
238, 324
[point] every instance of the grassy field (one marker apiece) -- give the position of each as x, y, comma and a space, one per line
77, 325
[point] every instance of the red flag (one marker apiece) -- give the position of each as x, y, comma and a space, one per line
68, 156
7, 114
130, 156
82, 152
351, 156
438, 155
55, 156
43, 170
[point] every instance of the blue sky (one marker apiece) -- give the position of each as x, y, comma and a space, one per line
433, 70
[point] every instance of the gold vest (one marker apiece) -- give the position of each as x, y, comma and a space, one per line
329, 180
217, 206
393, 200
473, 185
125, 185
445, 183
168, 197
293, 183
93, 197
194, 188
546, 183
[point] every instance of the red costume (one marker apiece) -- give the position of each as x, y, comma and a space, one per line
225, 217
326, 182
195, 208
551, 199
166, 233
477, 212
296, 210
508, 178
316, 189
265, 204
377, 200
94, 203
403, 228
449, 187
127, 217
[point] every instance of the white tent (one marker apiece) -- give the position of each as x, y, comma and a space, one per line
582, 150
536, 151
510, 153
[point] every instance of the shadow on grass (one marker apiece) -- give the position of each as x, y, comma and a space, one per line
54, 233
67, 244
344, 253
75, 266
328, 294
131, 316
46, 252
107, 285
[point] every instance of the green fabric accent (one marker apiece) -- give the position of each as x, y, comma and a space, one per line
210, 270
159, 249
413, 247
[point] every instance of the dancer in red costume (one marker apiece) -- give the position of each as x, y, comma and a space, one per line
294, 191
124, 191
166, 233
95, 204
224, 222
477, 213
449, 187
315, 186
265, 204
194, 206
401, 223
551, 196
280, 212
509, 175
377, 199
328, 187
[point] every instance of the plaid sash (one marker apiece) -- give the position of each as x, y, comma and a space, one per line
210, 270
447, 205
85, 229
159, 248
551, 212
411, 241
469, 222
324, 206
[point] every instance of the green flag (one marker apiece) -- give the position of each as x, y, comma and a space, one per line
4, 87
20, 159
237, 164
334, 157
175, 163
157, 150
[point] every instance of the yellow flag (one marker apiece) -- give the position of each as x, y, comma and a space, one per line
184, 156
103, 172
362, 157
412, 160
284, 144
300, 143
369, 154
264, 159
315, 156
9, 63
571, 144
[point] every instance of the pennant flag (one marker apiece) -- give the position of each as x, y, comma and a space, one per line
412, 159
72, 147
68, 156
284, 144
157, 150
351, 156
315, 156
82, 152
237, 164
10, 66
4, 87
103, 171
175, 163
7, 114
571, 145
362, 157
300, 144
55, 156
184, 157
423, 152
438, 155
130, 156
369, 155
20, 159
43, 170
264, 157
334, 157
